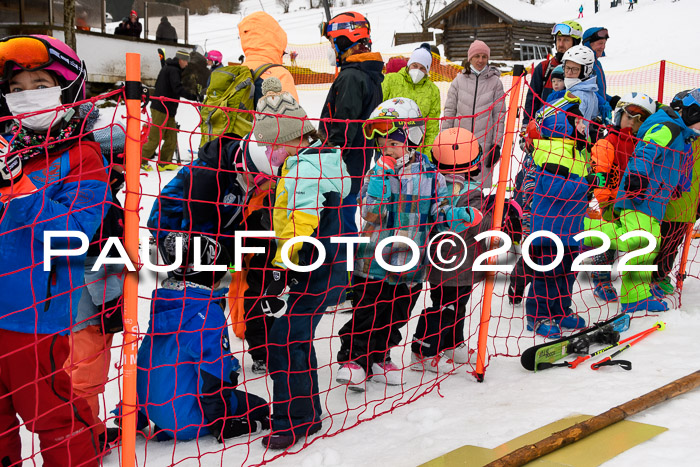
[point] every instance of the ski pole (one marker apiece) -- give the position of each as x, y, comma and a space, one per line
608, 361
574, 363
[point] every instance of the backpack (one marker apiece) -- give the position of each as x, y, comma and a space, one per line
231, 98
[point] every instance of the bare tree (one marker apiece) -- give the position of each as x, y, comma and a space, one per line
424, 9
69, 23
284, 4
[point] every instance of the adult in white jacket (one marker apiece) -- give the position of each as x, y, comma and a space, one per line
476, 102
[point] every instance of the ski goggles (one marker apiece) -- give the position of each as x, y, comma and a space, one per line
386, 127
350, 25
566, 30
31, 54
598, 35
635, 111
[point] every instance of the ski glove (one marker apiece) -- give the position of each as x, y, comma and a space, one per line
461, 218
493, 157
276, 296
111, 313
379, 186
635, 186
234, 427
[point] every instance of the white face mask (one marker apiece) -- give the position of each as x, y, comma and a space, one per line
570, 82
416, 75
402, 161
35, 100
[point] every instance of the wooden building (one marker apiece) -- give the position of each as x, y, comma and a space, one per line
464, 21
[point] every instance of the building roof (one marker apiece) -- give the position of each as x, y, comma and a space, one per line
518, 12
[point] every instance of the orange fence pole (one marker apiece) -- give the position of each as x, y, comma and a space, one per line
497, 217
131, 244
662, 77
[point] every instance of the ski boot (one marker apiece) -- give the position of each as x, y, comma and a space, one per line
571, 321
604, 289
648, 304
544, 327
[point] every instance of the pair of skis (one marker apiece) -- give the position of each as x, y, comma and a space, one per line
607, 333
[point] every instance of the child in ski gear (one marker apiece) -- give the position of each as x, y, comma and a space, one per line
51, 178
355, 93
681, 210
313, 182
609, 157
438, 342
652, 176
565, 35
403, 195
559, 204
557, 82
478, 92
187, 376
414, 82
228, 188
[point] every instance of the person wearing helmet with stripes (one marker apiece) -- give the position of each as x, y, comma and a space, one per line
609, 157
566, 35
406, 193
355, 93
51, 179
653, 177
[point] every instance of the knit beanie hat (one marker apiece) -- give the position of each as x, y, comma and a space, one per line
422, 56
478, 47
280, 118
182, 55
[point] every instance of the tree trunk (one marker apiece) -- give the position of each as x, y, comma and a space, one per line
426, 15
69, 23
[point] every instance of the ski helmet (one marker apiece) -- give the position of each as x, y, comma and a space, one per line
457, 150
583, 56
399, 118
40, 52
690, 107
214, 55
211, 253
636, 105
346, 30
568, 28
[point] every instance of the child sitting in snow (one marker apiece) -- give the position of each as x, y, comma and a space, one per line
403, 195
186, 373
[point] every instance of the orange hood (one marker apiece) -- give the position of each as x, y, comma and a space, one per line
262, 38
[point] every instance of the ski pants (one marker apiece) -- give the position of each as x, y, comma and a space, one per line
163, 127
549, 296
441, 326
380, 310
296, 403
635, 284
34, 386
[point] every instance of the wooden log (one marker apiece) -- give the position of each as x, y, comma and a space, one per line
579, 431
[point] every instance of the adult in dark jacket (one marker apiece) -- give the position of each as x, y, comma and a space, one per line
163, 126
129, 26
566, 35
166, 32
354, 94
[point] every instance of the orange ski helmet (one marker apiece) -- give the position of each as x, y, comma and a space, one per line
457, 150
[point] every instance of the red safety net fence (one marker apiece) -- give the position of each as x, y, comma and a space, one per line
216, 351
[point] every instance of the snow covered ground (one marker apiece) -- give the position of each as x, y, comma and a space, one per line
510, 401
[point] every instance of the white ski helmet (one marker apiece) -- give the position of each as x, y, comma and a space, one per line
397, 114
635, 104
583, 56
